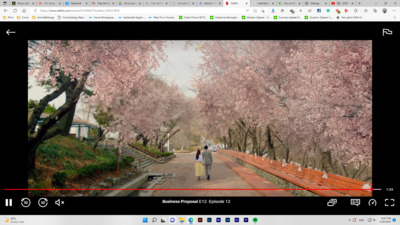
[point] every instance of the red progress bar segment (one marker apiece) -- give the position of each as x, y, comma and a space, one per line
219, 189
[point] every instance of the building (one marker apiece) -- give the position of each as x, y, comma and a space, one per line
80, 128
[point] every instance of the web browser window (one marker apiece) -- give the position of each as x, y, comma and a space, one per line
199, 112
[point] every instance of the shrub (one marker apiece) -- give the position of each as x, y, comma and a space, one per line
87, 171
45, 184
58, 180
69, 152
94, 169
111, 154
165, 154
69, 166
127, 160
87, 154
161, 154
101, 159
45, 161
50, 150
71, 174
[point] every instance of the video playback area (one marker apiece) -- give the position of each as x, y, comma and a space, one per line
202, 121
267, 118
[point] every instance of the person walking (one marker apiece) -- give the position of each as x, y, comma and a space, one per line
198, 164
207, 156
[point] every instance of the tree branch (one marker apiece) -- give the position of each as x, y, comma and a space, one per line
60, 112
34, 118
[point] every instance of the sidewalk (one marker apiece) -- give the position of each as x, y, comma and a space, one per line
222, 177
225, 174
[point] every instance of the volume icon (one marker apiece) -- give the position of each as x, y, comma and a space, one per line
8, 202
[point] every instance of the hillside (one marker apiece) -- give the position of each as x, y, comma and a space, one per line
66, 162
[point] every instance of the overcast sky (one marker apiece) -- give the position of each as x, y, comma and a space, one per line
180, 67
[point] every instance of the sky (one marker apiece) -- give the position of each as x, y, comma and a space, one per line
180, 67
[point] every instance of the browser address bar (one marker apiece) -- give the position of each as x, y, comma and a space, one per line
160, 10
78, 10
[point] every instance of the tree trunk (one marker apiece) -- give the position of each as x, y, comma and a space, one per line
245, 141
67, 119
156, 143
261, 151
287, 153
225, 141
358, 173
285, 146
342, 169
304, 160
47, 130
32, 146
151, 142
230, 145
66, 122
100, 133
237, 138
37, 111
117, 169
165, 138
242, 133
271, 149
139, 136
253, 135
96, 143
327, 162
145, 141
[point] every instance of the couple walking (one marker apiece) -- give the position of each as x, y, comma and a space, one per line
203, 161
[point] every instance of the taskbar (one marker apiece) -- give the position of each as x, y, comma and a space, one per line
200, 219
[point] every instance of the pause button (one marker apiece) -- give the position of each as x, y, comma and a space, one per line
8, 202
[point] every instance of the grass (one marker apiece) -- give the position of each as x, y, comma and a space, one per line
63, 162
69, 165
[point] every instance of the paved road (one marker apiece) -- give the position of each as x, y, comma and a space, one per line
222, 177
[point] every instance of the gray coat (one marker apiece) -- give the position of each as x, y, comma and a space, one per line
207, 157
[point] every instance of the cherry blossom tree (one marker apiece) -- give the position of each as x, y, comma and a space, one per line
150, 107
331, 96
110, 69
313, 98
245, 78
